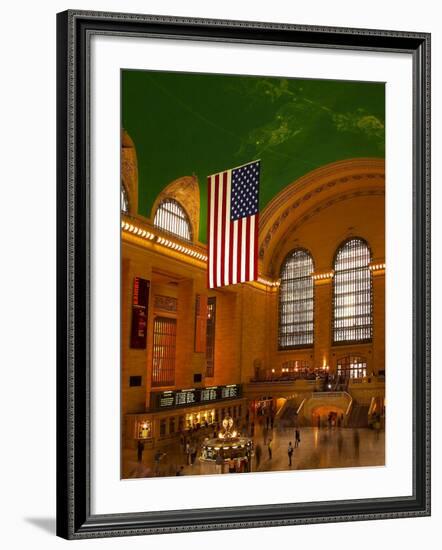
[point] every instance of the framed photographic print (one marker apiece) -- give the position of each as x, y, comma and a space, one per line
243, 274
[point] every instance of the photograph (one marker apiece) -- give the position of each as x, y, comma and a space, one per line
219, 218
253, 265
243, 274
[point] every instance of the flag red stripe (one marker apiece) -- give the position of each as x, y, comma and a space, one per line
215, 232
209, 191
231, 254
255, 248
248, 236
223, 229
239, 263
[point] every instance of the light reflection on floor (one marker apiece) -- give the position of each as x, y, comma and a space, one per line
319, 448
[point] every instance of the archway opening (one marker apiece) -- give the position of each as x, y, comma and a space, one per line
327, 416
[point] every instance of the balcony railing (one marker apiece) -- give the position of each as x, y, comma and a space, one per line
290, 376
321, 380
330, 394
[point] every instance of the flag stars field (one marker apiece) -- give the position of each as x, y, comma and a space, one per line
233, 225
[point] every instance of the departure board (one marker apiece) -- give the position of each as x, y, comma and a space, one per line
192, 396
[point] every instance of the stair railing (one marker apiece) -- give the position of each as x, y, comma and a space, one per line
348, 411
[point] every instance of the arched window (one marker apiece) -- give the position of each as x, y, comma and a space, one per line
296, 301
124, 200
352, 366
352, 308
171, 217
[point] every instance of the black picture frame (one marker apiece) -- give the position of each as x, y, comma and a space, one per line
74, 518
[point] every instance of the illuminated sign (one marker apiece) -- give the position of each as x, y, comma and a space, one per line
140, 302
193, 396
184, 397
209, 394
230, 391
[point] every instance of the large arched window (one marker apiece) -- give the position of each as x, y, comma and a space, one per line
171, 217
352, 308
296, 301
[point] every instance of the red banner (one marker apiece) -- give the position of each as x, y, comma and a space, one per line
140, 303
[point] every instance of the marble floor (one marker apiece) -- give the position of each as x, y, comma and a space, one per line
319, 448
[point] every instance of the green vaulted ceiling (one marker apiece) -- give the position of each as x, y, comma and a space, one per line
184, 124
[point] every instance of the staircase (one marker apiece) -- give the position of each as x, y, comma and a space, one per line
340, 383
326, 400
288, 416
358, 417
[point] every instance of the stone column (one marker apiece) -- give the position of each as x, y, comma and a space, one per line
323, 314
185, 334
378, 319
199, 355
134, 361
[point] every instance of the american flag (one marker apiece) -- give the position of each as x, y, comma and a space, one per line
233, 225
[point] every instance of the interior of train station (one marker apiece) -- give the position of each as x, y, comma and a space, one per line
295, 358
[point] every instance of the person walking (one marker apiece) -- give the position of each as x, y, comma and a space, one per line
377, 426
140, 449
192, 454
258, 452
297, 437
290, 453
356, 443
248, 461
157, 458
269, 448
188, 453
219, 463
264, 434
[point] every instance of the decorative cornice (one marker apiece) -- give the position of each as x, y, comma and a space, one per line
322, 277
150, 235
313, 212
330, 175
351, 171
377, 268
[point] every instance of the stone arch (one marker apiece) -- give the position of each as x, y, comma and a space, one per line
321, 191
186, 192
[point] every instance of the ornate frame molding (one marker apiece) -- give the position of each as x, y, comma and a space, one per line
74, 518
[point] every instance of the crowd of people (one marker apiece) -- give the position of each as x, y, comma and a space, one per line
191, 440
261, 428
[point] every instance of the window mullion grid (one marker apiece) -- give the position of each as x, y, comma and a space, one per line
296, 302
352, 293
170, 217
164, 351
